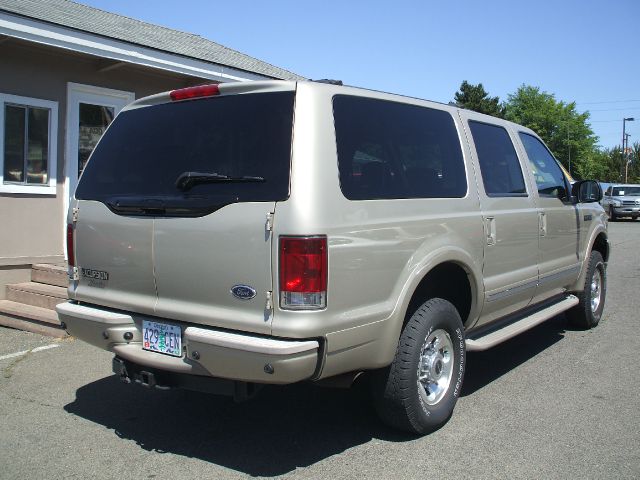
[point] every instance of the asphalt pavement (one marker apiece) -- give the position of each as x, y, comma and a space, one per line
552, 403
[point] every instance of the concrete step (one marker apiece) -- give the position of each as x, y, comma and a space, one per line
36, 294
30, 318
50, 274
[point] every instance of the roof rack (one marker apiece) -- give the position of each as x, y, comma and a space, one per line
329, 81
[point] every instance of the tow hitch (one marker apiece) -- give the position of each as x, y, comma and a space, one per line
143, 377
129, 372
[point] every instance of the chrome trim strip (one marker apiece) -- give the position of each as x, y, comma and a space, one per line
511, 291
563, 273
534, 283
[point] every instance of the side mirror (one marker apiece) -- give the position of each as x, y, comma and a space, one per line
587, 191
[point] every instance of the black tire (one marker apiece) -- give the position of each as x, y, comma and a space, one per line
587, 314
612, 214
401, 400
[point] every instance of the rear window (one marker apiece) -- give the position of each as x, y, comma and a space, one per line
395, 150
245, 138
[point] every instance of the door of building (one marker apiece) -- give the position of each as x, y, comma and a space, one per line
90, 110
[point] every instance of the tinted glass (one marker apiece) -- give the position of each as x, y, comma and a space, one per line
395, 150
145, 150
499, 164
549, 177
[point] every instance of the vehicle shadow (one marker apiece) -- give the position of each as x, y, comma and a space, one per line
282, 428
279, 430
486, 367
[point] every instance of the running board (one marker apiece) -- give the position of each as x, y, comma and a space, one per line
511, 330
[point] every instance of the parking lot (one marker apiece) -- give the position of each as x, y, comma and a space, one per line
552, 403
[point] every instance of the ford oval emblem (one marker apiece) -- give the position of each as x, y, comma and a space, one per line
243, 292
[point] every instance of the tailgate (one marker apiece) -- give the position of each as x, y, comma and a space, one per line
113, 256
199, 261
174, 203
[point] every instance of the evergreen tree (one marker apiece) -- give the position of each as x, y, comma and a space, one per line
476, 98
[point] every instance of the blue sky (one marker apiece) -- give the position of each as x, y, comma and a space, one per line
585, 51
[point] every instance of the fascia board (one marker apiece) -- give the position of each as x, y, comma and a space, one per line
103, 47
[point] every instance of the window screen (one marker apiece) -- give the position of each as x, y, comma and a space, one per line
499, 164
394, 150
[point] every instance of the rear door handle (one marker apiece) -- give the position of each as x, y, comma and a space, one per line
543, 224
490, 230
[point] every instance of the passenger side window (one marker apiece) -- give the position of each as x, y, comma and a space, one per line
395, 150
499, 164
548, 175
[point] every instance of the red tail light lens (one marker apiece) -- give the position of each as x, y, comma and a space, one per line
195, 92
303, 273
70, 252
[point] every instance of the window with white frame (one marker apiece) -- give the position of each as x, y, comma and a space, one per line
28, 145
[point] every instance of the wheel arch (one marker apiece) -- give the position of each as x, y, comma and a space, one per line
451, 274
448, 280
601, 244
597, 242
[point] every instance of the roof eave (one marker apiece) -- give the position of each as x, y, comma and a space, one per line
54, 35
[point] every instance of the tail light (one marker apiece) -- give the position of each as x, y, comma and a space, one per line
303, 273
71, 256
195, 92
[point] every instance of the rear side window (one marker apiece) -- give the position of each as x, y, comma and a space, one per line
549, 177
394, 150
499, 164
246, 138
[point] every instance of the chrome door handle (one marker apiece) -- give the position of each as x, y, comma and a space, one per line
543, 224
490, 230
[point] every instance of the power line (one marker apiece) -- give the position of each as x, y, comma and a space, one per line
605, 121
606, 101
614, 109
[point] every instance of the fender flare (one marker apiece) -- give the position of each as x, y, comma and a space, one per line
448, 254
579, 284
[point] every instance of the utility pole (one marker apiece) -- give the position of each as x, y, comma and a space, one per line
569, 144
624, 153
626, 158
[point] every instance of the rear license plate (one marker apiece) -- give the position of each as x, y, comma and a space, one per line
161, 338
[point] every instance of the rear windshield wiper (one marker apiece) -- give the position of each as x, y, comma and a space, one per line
186, 180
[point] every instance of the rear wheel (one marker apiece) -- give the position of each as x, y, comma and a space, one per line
588, 312
418, 391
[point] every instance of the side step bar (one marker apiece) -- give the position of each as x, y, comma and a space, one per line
495, 337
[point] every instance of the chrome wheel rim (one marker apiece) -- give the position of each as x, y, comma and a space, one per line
435, 367
596, 290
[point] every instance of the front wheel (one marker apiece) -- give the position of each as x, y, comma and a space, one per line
588, 312
418, 391
612, 214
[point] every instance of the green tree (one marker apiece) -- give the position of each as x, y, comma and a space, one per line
476, 98
596, 165
633, 157
565, 131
